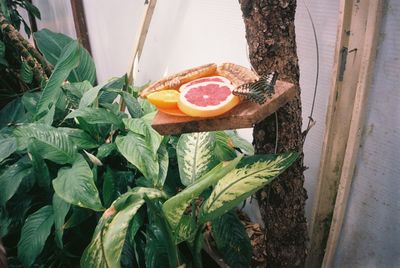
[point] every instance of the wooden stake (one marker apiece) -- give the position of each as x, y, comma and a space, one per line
141, 37
356, 128
353, 54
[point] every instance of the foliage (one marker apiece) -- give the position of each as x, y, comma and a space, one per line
78, 175
10, 9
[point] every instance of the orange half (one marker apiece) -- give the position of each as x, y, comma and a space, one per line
164, 99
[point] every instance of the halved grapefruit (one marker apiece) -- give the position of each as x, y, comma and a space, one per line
207, 97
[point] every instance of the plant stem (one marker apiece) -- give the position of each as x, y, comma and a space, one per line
197, 246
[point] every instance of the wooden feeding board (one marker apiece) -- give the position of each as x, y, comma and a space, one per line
245, 115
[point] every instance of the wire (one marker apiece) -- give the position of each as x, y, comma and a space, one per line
310, 118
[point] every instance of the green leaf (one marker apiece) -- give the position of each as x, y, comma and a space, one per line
163, 162
160, 246
2, 49
34, 234
12, 113
26, 72
147, 107
52, 144
114, 183
40, 168
108, 239
11, 178
30, 100
80, 138
239, 142
105, 150
92, 94
51, 44
186, 229
223, 146
96, 116
76, 186
134, 148
252, 174
68, 60
61, 209
133, 105
32, 9
78, 216
175, 206
139, 126
7, 147
195, 155
75, 91
232, 241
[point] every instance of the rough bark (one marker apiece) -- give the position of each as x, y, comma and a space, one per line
270, 34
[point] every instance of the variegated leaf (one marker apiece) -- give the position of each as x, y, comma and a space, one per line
108, 239
251, 174
174, 207
195, 155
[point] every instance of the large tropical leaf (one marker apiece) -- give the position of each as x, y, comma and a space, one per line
240, 143
195, 155
76, 186
160, 246
96, 116
175, 207
80, 138
11, 178
134, 148
75, 91
51, 93
108, 239
163, 162
223, 146
40, 168
61, 209
92, 94
51, 44
141, 127
12, 113
52, 144
232, 241
30, 101
34, 234
7, 147
133, 105
26, 72
251, 174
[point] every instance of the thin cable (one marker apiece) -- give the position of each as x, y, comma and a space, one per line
310, 119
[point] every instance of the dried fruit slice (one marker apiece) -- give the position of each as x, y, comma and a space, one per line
207, 97
167, 99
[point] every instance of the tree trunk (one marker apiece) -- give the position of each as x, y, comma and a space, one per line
270, 35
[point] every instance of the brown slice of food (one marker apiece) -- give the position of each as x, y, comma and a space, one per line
176, 80
237, 74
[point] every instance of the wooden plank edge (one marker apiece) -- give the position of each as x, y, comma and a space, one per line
358, 120
316, 228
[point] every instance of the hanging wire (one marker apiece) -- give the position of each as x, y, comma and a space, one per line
311, 121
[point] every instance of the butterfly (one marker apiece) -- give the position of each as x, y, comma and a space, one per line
259, 90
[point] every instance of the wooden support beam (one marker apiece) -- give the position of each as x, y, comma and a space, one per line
355, 48
78, 12
357, 124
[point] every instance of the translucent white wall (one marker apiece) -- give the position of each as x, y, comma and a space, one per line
56, 15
